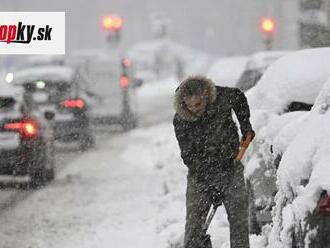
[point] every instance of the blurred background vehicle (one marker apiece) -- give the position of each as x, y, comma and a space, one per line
163, 58
151, 61
226, 71
26, 138
58, 88
109, 80
256, 66
12, 63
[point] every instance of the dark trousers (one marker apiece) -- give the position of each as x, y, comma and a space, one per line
230, 185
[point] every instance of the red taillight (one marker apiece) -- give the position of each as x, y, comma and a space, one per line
27, 129
323, 206
78, 103
124, 81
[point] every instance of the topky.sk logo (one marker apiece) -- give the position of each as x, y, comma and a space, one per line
32, 33
21, 33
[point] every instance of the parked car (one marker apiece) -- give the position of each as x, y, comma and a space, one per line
26, 139
279, 107
302, 209
57, 88
227, 71
256, 66
110, 82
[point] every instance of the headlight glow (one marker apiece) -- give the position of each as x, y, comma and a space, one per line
40, 84
9, 77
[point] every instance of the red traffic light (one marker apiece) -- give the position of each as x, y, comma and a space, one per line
126, 62
124, 81
267, 25
112, 22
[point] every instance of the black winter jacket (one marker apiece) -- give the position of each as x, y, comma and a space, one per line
209, 141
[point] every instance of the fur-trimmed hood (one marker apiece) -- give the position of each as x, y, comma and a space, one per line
207, 85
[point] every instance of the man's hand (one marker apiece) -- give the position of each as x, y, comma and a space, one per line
244, 144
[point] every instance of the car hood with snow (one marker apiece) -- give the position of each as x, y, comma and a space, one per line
309, 148
303, 173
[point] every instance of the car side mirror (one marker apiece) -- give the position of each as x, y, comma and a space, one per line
138, 82
49, 115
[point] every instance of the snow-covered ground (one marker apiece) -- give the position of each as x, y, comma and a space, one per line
127, 192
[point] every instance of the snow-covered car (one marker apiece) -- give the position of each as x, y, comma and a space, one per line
255, 67
227, 71
57, 88
14, 63
155, 59
302, 210
26, 138
110, 81
164, 58
279, 105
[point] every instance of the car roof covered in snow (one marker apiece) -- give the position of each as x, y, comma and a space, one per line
18, 63
50, 73
43, 60
227, 71
261, 60
298, 76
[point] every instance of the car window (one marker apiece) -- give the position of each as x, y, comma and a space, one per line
248, 79
52, 92
7, 103
298, 106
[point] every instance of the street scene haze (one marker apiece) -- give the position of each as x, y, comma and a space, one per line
166, 124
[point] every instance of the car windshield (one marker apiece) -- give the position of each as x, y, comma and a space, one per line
42, 92
6, 102
248, 79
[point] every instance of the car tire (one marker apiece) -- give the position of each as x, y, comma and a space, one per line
41, 166
294, 241
38, 178
50, 166
298, 237
254, 227
129, 123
